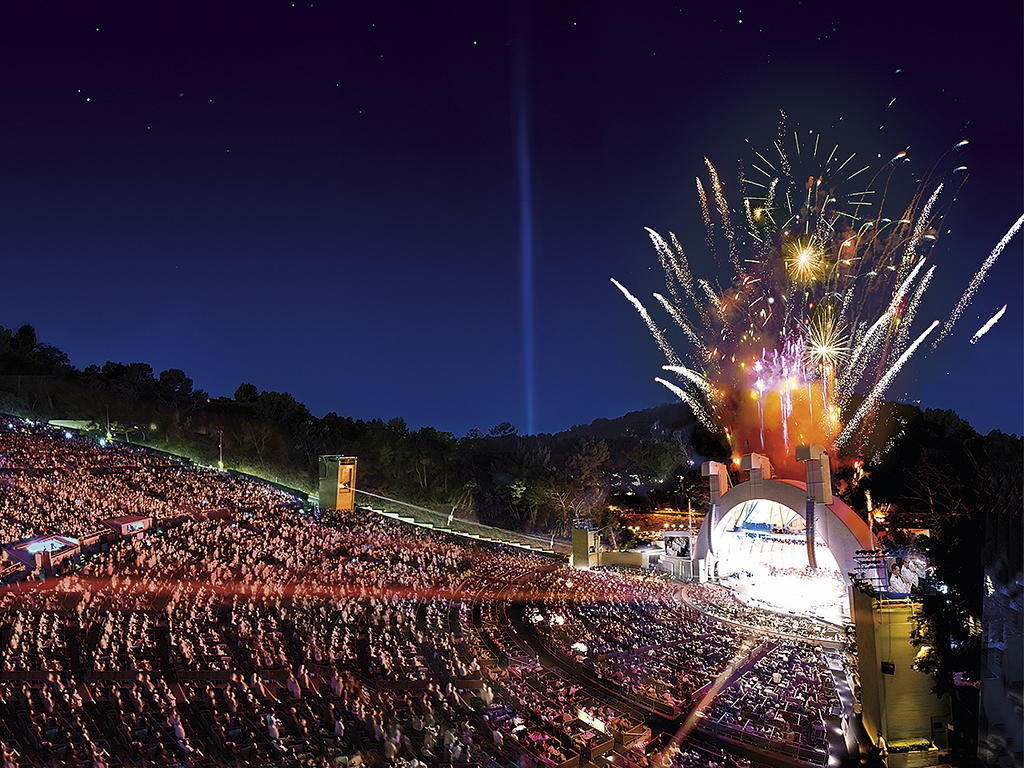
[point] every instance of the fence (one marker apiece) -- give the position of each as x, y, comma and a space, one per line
430, 518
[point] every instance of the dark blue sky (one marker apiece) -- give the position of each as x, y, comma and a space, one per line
322, 198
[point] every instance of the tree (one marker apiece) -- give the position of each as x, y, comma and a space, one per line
464, 499
514, 482
504, 429
580, 488
432, 451
260, 438
246, 393
22, 354
174, 393
24, 341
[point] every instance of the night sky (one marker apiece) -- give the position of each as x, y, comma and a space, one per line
326, 199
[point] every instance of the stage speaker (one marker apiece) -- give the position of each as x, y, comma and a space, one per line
818, 472
337, 482
586, 548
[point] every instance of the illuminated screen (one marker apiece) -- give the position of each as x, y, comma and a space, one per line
138, 525
677, 545
904, 574
49, 545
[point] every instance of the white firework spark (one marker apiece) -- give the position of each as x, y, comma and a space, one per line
668, 263
713, 298
907, 321
697, 408
922, 221
659, 337
705, 213
988, 325
879, 389
674, 313
693, 376
723, 211
871, 341
683, 267
976, 281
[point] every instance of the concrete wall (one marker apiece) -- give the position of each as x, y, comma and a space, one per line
869, 666
626, 559
899, 705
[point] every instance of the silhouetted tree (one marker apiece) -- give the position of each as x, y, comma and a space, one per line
504, 429
246, 393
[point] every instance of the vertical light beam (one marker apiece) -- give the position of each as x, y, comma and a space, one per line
526, 297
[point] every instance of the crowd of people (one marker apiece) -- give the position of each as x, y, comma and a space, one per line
722, 602
630, 629
55, 482
663, 652
275, 634
787, 697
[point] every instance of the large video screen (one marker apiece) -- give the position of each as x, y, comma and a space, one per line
678, 545
905, 574
50, 544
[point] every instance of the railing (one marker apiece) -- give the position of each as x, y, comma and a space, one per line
430, 518
802, 753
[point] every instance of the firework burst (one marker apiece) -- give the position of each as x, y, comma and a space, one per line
826, 343
825, 286
805, 263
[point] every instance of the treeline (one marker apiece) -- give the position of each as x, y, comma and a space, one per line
535, 482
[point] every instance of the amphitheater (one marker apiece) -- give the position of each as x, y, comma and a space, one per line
191, 617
